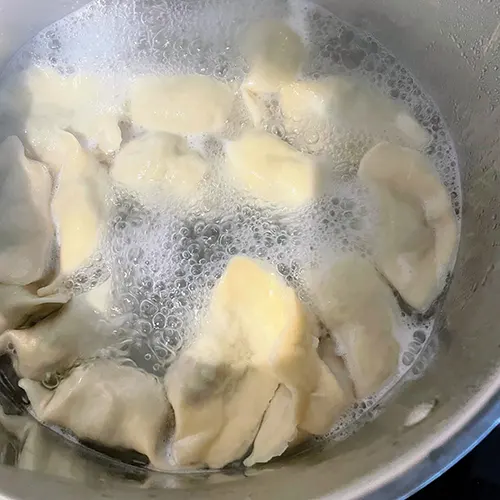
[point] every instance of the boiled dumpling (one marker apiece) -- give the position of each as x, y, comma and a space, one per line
183, 104
26, 228
21, 306
79, 206
269, 169
221, 386
78, 102
417, 234
116, 405
360, 311
160, 159
275, 54
74, 332
345, 103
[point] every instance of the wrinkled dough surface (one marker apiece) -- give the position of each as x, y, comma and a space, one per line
222, 384
183, 104
269, 169
275, 54
417, 234
345, 103
360, 311
74, 332
116, 405
73, 102
161, 160
26, 228
20, 306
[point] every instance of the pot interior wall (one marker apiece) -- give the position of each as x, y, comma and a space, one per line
453, 47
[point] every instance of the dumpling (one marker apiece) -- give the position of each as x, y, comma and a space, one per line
78, 102
417, 234
345, 103
270, 169
116, 405
182, 104
360, 311
74, 332
222, 384
275, 54
26, 228
20, 306
160, 159
79, 206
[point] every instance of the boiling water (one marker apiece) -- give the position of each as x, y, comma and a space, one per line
164, 258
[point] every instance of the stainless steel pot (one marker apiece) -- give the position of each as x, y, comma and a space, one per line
453, 46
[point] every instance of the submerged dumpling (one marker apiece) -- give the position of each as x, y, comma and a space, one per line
275, 54
183, 104
360, 311
417, 233
74, 332
21, 306
26, 228
345, 103
78, 102
160, 159
269, 169
116, 405
256, 337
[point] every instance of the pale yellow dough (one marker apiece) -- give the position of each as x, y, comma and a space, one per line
183, 104
271, 170
417, 234
257, 336
347, 104
160, 160
26, 228
360, 311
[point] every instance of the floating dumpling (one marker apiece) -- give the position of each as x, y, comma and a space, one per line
347, 104
78, 102
257, 336
417, 233
268, 168
160, 159
360, 311
275, 54
116, 405
184, 104
21, 306
74, 332
26, 228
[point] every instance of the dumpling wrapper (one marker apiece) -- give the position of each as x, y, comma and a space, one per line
417, 233
279, 430
79, 206
275, 54
348, 104
78, 102
160, 159
54, 344
116, 405
26, 228
182, 104
360, 311
221, 385
20, 305
270, 169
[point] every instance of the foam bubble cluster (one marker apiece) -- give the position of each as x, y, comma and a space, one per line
164, 258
